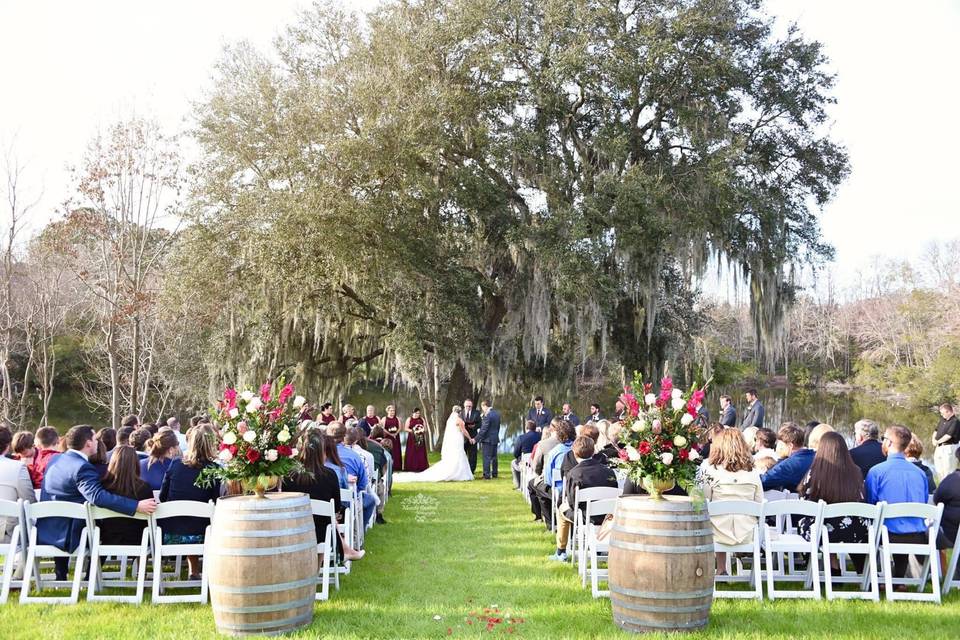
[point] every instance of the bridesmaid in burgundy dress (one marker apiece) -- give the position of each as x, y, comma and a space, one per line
391, 424
416, 443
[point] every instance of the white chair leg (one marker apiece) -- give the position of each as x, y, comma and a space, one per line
142, 573
757, 573
78, 569
30, 568
7, 571
948, 577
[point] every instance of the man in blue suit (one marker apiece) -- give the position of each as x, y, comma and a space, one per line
729, 417
489, 438
71, 478
539, 413
789, 472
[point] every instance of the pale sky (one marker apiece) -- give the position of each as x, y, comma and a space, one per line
70, 68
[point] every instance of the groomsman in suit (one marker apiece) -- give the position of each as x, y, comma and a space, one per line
729, 416
471, 420
569, 415
489, 437
540, 415
71, 478
595, 415
755, 413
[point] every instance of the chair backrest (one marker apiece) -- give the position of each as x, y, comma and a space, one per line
792, 508
99, 513
178, 508
602, 507
596, 493
323, 508
853, 509
735, 507
525, 457
54, 509
928, 512
346, 495
11, 508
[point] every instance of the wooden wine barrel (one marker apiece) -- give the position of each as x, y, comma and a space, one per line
262, 563
661, 564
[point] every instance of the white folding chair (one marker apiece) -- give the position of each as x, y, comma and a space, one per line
786, 542
555, 494
176, 509
582, 498
597, 550
950, 579
869, 582
755, 578
326, 549
38, 511
931, 566
348, 527
16, 548
100, 550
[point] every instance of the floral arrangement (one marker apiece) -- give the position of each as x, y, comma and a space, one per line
256, 435
660, 435
420, 433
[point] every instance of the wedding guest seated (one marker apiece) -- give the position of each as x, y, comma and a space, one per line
319, 482
552, 461
790, 471
913, 453
123, 479
807, 430
123, 435
764, 464
15, 479
179, 483
378, 435
73, 479
834, 477
108, 435
379, 465
524, 444
355, 467
591, 470
813, 438
750, 437
868, 451
139, 439
948, 494
548, 442
708, 435
162, 449
48, 440
24, 451
570, 460
609, 443
130, 421
728, 474
99, 458
765, 443
332, 460
894, 481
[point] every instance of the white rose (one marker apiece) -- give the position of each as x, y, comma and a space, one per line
650, 399
293, 452
686, 420
676, 394
298, 402
250, 435
632, 453
694, 454
229, 438
680, 441
640, 426
254, 405
283, 436
666, 458
234, 412
271, 455
678, 404
225, 455
247, 395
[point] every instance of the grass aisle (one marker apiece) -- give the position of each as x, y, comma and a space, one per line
459, 550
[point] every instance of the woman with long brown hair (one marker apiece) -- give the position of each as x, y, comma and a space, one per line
320, 483
123, 479
162, 449
728, 474
834, 477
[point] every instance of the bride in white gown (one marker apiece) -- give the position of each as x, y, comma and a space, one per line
453, 465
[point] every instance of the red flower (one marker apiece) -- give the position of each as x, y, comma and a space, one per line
285, 393
692, 408
230, 395
647, 387
666, 445
252, 455
284, 450
644, 448
265, 392
684, 454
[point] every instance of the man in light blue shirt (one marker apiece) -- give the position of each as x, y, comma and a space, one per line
354, 466
894, 481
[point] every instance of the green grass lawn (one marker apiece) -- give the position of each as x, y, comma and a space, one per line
475, 548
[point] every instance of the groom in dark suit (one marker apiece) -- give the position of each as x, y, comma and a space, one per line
489, 437
471, 420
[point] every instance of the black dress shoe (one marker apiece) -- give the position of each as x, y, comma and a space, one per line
380, 519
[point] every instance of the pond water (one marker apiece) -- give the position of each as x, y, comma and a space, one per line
839, 409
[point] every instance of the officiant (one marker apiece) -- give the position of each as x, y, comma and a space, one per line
471, 420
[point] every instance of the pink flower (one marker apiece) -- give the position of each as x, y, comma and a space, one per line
285, 393
230, 395
265, 392
666, 385
657, 426
242, 426
276, 413
632, 404
622, 454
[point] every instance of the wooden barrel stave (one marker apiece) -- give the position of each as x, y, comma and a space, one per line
263, 568
661, 565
